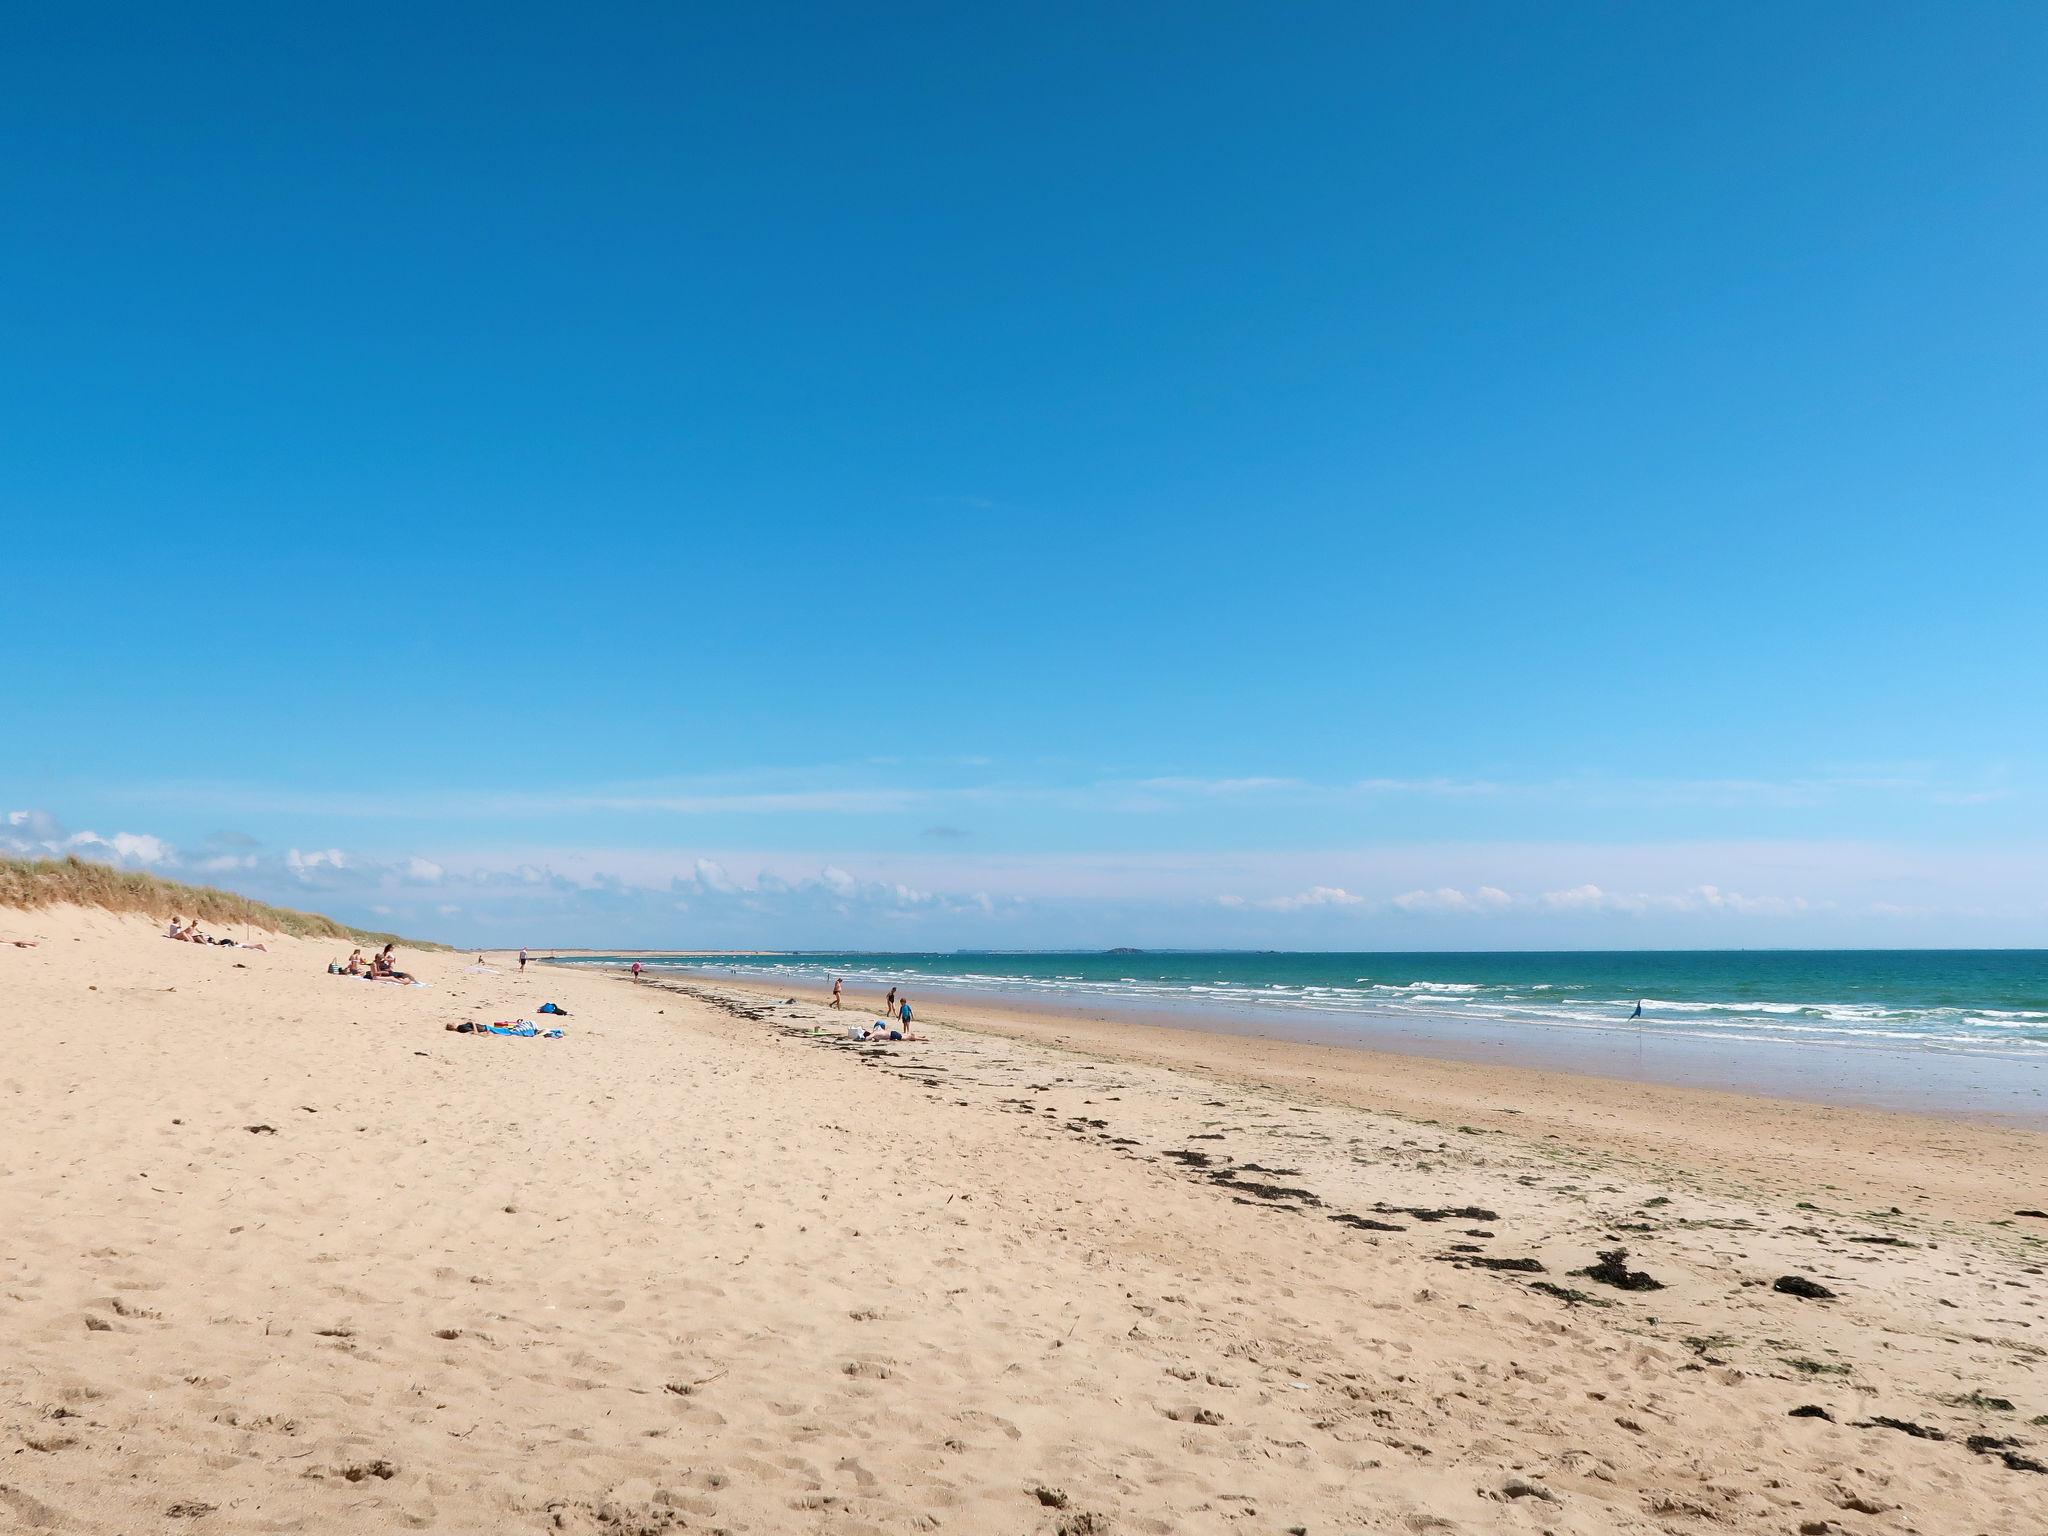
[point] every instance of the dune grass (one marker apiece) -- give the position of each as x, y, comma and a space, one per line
77, 882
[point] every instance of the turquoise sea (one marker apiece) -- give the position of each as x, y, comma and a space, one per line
1976, 1001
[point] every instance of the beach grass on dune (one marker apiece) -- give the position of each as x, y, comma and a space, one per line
29, 883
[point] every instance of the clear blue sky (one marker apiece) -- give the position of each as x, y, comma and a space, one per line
1051, 474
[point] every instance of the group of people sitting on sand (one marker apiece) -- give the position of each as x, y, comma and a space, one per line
188, 933
881, 1030
379, 967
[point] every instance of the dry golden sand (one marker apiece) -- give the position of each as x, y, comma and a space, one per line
691, 1269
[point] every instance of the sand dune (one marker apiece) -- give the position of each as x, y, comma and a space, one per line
282, 1254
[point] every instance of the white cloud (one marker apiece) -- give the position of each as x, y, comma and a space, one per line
1699, 898
1452, 788
38, 834
40, 825
843, 802
1713, 898
1450, 900
122, 848
1315, 896
1585, 898
319, 858
1187, 786
712, 876
837, 880
1580, 898
425, 871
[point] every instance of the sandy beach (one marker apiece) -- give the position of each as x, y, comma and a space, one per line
285, 1254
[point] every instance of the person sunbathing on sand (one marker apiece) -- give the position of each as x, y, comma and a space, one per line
383, 968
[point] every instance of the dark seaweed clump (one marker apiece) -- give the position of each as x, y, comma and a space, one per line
1613, 1270
1799, 1285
